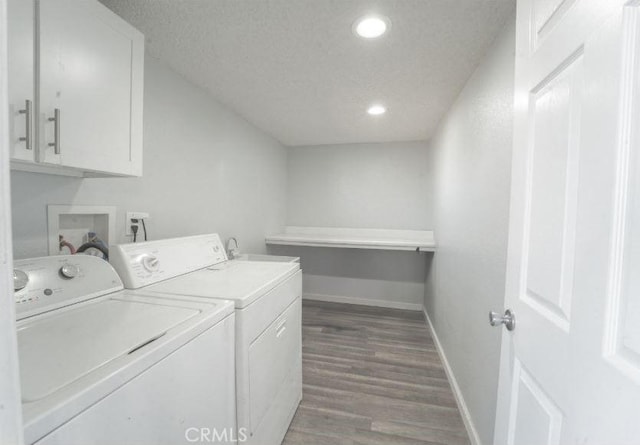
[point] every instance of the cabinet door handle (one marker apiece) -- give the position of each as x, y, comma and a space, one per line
56, 131
27, 111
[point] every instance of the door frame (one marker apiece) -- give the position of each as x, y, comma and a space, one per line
11, 432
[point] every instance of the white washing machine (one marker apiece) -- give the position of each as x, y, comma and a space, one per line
267, 298
100, 365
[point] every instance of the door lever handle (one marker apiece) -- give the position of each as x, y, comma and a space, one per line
508, 319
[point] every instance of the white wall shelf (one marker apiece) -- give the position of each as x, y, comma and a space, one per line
347, 238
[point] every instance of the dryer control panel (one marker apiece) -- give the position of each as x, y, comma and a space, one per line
47, 283
142, 264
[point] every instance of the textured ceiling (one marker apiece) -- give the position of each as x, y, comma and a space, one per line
295, 69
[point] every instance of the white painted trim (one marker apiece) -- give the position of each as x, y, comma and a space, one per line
363, 301
10, 400
462, 406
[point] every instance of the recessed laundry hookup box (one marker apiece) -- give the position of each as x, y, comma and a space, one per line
71, 227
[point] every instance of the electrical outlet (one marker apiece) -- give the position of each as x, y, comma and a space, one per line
129, 217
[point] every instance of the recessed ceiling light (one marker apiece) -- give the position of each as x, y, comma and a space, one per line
376, 110
371, 26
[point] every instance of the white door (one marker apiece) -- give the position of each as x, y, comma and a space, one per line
20, 34
90, 71
570, 371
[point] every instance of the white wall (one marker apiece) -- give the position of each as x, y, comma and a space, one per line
471, 160
384, 186
205, 170
373, 277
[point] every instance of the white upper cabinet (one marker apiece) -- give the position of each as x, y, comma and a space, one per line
89, 65
20, 33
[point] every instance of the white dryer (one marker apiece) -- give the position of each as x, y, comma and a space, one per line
100, 365
267, 298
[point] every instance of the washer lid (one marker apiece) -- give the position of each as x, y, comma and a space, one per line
61, 347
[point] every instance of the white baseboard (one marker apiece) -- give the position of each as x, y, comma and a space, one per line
462, 406
364, 301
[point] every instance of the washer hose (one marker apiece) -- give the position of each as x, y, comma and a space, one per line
97, 246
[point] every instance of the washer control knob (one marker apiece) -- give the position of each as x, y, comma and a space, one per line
151, 263
69, 271
20, 280
216, 248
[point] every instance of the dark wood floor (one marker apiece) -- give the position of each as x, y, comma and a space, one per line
372, 376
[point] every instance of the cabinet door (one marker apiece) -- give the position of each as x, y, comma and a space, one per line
20, 35
90, 66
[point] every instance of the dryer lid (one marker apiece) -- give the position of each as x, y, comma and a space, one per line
61, 347
243, 282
